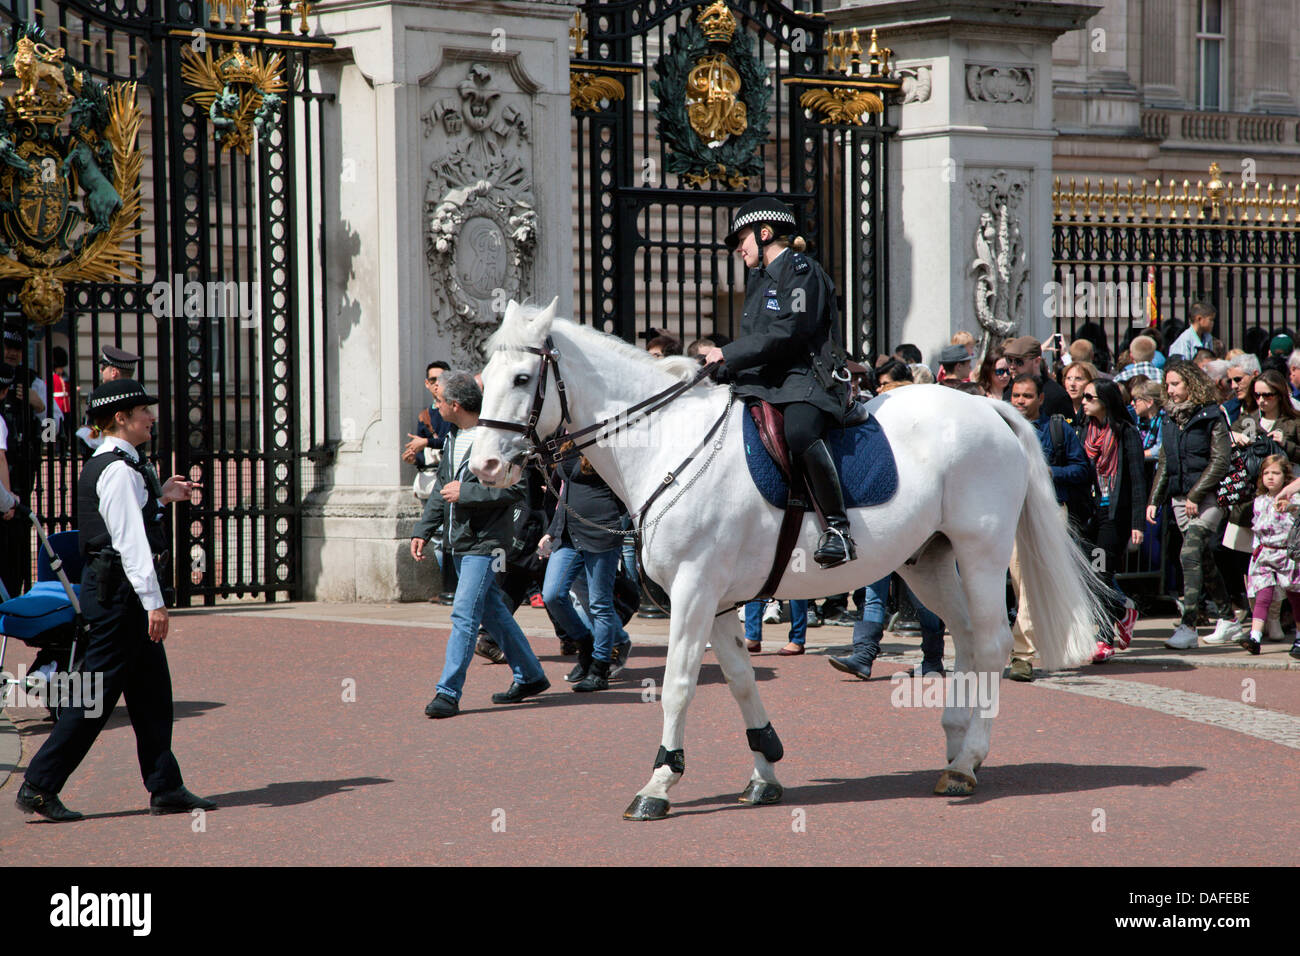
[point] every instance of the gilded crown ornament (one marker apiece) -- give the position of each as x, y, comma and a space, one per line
69, 176
717, 22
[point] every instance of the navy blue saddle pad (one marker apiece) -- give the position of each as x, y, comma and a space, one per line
863, 456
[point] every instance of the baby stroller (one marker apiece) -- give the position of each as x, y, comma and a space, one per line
48, 616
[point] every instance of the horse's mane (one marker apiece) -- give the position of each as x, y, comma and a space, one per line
514, 333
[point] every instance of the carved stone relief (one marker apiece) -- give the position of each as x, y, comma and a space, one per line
1000, 84
479, 209
917, 81
1000, 267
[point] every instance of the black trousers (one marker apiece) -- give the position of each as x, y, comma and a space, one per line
804, 424
133, 667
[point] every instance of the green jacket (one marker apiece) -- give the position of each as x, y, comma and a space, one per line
481, 522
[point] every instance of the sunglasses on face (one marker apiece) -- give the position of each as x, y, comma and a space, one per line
1238, 380
1089, 398
1016, 362
1266, 394
1001, 371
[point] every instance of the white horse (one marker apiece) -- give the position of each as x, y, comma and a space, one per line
971, 480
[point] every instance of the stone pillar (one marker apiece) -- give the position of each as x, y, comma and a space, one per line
449, 142
970, 189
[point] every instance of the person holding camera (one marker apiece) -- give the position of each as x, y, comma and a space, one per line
120, 520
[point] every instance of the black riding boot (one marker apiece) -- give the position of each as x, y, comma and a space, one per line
835, 546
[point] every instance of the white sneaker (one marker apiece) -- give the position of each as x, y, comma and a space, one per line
1226, 631
772, 613
1184, 638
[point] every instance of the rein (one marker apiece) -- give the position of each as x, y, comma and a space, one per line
548, 449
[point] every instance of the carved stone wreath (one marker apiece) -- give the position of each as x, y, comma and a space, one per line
482, 247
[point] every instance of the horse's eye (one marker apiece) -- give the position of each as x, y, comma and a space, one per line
521, 380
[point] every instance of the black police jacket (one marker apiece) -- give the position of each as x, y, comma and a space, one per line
789, 343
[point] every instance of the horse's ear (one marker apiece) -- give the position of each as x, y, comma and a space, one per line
512, 310
541, 321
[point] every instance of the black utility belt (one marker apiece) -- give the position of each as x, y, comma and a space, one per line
161, 560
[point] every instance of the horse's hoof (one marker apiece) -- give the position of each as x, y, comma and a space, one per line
762, 792
646, 808
954, 783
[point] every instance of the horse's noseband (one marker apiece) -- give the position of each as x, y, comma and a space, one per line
550, 358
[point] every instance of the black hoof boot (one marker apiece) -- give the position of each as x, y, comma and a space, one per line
646, 808
762, 792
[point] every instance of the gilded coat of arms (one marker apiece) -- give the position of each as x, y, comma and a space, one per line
713, 95
241, 92
69, 175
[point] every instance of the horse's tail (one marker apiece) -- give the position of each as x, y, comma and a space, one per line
1063, 593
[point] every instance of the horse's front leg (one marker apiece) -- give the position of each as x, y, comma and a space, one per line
687, 632
729, 647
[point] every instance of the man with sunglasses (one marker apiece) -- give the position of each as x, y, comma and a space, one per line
1242, 372
1024, 356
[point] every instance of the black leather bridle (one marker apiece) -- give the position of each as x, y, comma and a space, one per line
548, 450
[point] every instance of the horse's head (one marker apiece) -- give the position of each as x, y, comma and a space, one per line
509, 394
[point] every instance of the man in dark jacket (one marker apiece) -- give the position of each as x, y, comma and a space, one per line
478, 525
1025, 357
788, 353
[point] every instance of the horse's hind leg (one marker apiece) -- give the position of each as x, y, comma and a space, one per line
973, 605
729, 647
979, 660
690, 624
934, 580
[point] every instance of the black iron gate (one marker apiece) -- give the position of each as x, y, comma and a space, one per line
683, 111
224, 277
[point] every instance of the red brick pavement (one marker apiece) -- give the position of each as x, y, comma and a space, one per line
304, 777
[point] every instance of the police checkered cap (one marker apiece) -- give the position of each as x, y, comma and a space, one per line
764, 209
117, 396
7, 373
13, 336
118, 358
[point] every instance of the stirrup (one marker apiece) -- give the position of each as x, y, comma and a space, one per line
846, 543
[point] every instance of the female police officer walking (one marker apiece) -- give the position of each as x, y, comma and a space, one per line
788, 353
119, 519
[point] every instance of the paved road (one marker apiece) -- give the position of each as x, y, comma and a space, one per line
1155, 763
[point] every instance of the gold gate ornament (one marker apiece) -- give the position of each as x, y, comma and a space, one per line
241, 91
69, 196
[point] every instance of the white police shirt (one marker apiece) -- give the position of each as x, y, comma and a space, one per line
122, 495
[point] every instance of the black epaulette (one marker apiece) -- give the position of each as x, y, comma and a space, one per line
800, 262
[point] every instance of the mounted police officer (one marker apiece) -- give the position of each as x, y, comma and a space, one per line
120, 520
788, 353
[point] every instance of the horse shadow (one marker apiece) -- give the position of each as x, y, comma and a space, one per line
995, 783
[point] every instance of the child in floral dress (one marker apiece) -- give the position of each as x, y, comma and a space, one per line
1272, 571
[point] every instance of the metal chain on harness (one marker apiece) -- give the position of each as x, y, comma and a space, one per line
633, 533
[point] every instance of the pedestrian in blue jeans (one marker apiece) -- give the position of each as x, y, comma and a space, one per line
798, 627
584, 537
868, 632
477, 524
